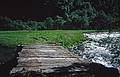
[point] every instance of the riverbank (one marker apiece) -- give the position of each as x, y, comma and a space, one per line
66, 38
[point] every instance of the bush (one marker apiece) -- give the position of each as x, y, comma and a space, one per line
49, 22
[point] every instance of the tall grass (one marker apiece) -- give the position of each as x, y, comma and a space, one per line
64, 37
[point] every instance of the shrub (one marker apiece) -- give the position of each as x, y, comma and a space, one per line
59, 22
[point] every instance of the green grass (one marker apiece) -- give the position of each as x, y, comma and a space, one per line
64, 37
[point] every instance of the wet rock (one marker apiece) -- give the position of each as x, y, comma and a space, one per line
113, 72
100, 70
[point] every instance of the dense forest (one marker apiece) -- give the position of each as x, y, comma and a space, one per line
66, 14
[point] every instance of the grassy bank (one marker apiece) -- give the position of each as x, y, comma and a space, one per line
65, 37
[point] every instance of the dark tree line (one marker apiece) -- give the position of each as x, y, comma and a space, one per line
70, 14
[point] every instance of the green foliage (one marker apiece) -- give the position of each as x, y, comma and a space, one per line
59, 20
49, 21
77, 11
75, 16
89, 13
23, 25
108, 6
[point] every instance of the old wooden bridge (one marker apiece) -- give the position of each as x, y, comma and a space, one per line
44, 61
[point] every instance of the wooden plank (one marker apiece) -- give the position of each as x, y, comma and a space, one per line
37, 64
40, 46
43, 53
48, 60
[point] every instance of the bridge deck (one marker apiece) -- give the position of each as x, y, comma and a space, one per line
43, 59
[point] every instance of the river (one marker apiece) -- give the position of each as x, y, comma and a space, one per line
101, 47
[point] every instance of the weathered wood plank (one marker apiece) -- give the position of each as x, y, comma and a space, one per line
48, 59
41, 46
43, 53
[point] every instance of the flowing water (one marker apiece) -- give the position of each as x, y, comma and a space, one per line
102, 47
